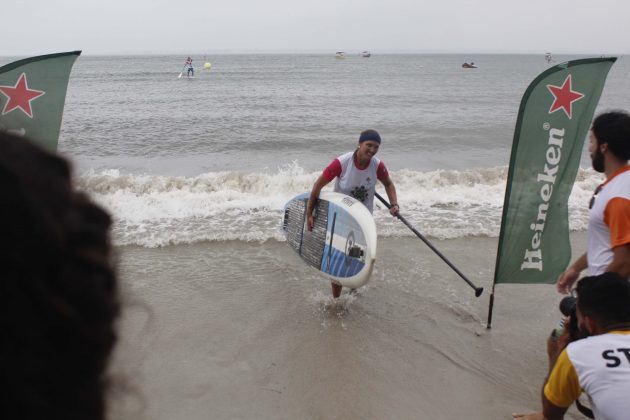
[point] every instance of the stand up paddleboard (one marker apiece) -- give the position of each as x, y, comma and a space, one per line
341, 245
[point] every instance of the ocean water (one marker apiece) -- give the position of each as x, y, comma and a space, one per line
221, 320
215, 158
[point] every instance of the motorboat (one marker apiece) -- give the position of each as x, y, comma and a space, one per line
366, 54
340, 54
548, 58
470, 65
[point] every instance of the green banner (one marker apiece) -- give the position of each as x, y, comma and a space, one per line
33, 94
553, 121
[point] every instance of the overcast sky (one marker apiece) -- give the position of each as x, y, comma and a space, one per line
31, 27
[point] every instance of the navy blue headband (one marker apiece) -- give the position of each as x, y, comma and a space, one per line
370, 135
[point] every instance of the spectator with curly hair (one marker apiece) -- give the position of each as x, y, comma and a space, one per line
58, 290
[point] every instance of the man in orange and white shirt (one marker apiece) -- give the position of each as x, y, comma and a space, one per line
608, 243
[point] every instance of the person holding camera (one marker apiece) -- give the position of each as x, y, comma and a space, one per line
598, 364
608, 237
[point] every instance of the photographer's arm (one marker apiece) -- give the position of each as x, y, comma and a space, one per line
562, 386
556, 345
550, 410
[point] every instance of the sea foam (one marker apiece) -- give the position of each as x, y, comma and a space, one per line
155, 210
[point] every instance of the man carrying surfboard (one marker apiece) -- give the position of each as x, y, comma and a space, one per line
356, 174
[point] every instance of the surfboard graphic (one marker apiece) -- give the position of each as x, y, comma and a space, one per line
341, 245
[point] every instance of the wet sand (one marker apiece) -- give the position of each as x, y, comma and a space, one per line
239, 330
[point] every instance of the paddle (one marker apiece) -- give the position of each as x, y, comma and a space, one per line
478, 290
182, 72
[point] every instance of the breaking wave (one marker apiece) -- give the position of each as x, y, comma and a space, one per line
154, 210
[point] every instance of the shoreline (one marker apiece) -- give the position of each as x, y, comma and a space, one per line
242, 330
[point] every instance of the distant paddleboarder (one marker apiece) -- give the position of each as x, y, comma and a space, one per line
190, 71
356, 173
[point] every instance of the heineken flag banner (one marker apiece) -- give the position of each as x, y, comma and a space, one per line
553, 121
32, 96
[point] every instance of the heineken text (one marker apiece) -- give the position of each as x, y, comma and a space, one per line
533, 259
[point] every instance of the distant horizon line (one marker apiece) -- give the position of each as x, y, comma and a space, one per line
328, 52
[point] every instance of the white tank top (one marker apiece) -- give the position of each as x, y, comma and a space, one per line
355, 182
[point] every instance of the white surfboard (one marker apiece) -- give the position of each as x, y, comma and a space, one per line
341, 245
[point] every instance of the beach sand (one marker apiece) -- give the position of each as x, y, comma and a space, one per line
240, 330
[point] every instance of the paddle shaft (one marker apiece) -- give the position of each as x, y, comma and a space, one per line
181, 72
478, 290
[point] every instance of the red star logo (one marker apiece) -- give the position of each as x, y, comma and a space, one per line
564, 97
20, 96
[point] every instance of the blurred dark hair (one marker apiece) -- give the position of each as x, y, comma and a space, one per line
613, 127
58, 290
606, 298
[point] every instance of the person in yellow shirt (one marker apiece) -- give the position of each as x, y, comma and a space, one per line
598, 365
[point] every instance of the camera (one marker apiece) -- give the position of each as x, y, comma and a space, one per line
567, 305
567, 308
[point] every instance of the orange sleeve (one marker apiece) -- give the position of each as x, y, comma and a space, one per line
563, 386
617, 218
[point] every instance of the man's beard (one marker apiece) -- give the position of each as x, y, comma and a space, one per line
597, 159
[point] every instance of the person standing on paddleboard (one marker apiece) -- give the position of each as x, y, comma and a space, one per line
189, 66
356, 174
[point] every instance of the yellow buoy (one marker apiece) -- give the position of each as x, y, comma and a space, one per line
207, 66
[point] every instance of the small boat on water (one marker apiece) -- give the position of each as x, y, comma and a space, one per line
340, 54
548, 58
366, 54
470, 65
